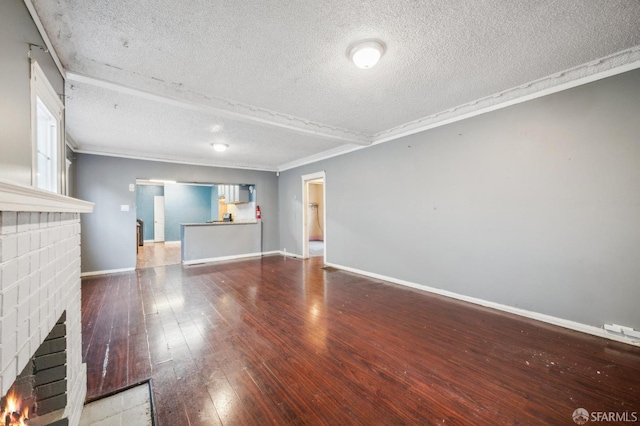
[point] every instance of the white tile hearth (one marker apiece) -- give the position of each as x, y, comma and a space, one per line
131, 408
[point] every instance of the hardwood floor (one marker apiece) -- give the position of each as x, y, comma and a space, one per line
151, 255
282, 341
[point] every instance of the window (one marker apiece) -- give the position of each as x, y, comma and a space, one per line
47, 113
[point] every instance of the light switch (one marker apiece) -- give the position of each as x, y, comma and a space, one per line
132, 187
124, 208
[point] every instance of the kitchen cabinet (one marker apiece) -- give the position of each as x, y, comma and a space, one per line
235, 194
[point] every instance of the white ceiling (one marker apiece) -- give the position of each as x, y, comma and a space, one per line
165, 79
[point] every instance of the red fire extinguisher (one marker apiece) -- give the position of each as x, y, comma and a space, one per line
258, 214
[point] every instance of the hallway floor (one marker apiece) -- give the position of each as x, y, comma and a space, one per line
151, 255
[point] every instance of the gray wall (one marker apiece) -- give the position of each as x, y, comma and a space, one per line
535, 206
17, 30
108, 234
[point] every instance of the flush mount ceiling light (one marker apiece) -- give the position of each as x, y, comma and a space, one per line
366, 54
220, 147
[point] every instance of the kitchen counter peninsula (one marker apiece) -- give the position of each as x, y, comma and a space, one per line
213, 241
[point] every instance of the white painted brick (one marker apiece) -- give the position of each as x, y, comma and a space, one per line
8, 335
54, 235
44, 257
52, 256
35, 284
8, 247
34, 302
9, 376
23, 312
44, 237
48, 272
49, 243
9, 300
34, 221
24, 355
8, 274
34, 321
23, 266
24, 221
24, 243
43, 295
8, 222
34, 261
23, 332
35, 240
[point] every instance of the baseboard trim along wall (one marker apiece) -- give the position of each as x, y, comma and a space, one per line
234, 257
110, 271
289, 254
572, 325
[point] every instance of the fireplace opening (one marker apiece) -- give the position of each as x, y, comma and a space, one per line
39, 393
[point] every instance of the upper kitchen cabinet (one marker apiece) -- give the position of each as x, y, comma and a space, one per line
235, 194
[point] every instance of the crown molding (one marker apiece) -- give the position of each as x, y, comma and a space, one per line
230, 109
617, 63
341, 150
626, 60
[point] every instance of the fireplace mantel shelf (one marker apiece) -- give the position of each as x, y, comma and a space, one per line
20, 198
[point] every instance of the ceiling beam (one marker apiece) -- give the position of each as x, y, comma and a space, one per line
233, 110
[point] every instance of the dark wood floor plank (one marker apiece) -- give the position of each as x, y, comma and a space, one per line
282, 341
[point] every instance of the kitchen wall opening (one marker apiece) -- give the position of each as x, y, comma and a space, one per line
158, 224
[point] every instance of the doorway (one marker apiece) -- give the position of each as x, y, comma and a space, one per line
314, 230
153, 250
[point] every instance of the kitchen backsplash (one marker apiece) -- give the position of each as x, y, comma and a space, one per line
245, 212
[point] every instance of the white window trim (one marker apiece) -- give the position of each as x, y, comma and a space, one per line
40, 87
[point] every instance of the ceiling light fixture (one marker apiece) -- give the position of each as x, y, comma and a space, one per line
367, 53
220, 147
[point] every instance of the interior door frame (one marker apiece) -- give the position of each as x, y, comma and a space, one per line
305, 211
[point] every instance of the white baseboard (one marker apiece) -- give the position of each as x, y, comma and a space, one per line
234, 257
289, 254
167, 243
572, 325
149, 241
110, 271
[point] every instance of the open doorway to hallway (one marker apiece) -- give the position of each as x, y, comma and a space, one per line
314, 227
152, 249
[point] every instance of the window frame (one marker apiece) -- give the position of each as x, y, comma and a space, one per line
43, 90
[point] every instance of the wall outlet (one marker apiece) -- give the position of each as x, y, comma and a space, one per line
132, 187
124, 208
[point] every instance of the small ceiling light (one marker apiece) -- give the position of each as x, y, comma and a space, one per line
367, 53
220, 147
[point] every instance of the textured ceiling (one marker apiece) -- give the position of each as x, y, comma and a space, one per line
151, 78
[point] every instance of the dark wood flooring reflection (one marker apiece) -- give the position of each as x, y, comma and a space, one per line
282, 341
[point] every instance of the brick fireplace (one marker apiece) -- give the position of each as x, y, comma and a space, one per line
40, 322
